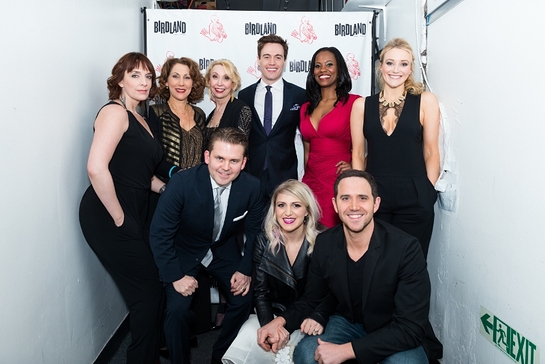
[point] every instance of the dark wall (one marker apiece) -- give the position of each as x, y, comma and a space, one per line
269, 5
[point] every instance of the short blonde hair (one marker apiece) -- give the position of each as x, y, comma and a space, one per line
230, 70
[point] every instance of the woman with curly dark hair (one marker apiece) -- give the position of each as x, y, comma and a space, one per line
325, 127
177, 123
179, 126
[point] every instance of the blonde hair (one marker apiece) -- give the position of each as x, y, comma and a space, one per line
231, 72
411, 86
304, 194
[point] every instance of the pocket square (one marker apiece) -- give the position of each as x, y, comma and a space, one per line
295, 107
240, 217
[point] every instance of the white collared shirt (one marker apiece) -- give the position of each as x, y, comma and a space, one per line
277, 90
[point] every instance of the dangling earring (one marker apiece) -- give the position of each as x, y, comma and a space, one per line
123, 100
305, 219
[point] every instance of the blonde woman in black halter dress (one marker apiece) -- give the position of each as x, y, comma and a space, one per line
399, 127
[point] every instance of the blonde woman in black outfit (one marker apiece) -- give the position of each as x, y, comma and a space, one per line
281, 258
223, 80
399, 129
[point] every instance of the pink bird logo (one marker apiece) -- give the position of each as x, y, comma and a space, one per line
254, 71
215, 31
169, 55
353, 66
306, 33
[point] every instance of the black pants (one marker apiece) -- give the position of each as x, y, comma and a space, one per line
179, 317
407, 203
126, 255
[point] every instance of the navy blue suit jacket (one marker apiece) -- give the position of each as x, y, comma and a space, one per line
181, 229
279, 145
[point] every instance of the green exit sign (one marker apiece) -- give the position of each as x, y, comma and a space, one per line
507, 339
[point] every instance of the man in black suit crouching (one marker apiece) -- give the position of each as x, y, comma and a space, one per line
272, 155
194, 228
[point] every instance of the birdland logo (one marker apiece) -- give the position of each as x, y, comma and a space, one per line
299, 66
204, 62
508, 340
305, 33
170, 27
350, 30
353, 66
215, 31
168, 55
259, 28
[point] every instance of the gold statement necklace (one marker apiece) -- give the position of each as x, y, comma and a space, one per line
385, 105
392, 104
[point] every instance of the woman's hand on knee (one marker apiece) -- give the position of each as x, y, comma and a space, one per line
311, 327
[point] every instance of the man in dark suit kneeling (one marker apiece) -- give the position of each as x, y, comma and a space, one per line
378, 277
194, 228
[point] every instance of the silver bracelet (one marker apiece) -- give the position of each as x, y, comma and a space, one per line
163, 188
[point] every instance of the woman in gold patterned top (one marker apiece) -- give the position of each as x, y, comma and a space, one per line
177, 123
179, 126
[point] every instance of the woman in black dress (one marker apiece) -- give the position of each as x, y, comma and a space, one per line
113, 210
401, 128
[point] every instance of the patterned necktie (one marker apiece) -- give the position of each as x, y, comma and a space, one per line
217, 212
217, 224
267, 115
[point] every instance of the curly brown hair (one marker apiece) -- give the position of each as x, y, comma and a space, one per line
197, 90
126, 64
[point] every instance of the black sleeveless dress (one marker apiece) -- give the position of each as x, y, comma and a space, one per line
124, 251
397, 163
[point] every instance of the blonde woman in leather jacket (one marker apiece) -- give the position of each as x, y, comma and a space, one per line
281, 258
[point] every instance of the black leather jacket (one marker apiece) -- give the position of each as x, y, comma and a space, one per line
277, 284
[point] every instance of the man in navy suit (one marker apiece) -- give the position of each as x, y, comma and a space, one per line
183, 242
378, 277
272, 156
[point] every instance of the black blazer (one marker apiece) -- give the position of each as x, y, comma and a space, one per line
396, 291
181, 229
279, 145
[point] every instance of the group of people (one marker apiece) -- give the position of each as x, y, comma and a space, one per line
177, 195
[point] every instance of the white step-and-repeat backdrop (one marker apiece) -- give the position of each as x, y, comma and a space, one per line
205, 35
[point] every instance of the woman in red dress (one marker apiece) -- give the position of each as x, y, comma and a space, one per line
325, 127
